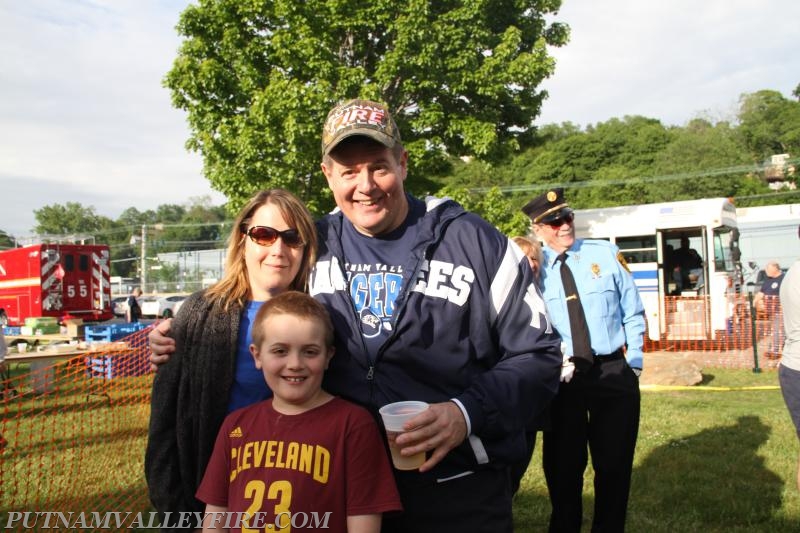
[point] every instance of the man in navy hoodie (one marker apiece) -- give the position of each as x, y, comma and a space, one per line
430, 303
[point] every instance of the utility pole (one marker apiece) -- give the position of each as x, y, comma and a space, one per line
144, 264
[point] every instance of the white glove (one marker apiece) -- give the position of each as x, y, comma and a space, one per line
567, 366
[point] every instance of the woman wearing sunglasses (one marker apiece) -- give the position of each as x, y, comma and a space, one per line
532, 249
271, 249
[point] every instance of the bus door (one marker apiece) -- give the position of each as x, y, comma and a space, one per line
683, 283
724, 273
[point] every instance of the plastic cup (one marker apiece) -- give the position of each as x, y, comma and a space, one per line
22, 347
394, 415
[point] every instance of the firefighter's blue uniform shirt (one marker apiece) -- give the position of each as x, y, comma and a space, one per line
608, 295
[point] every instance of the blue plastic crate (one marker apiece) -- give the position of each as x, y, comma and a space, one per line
12, 330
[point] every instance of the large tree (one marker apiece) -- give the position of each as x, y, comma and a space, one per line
257, 78
70, 218
769, 124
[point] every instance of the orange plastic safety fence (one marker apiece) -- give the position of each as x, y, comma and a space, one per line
75, 427
74, 424
690, 324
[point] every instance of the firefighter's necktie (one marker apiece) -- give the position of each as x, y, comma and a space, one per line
578, 328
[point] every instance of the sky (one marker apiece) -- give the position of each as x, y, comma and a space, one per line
84, 116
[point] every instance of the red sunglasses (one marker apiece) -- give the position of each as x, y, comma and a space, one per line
560, 221
266, 236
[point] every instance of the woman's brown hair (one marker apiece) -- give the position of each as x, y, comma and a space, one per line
234, 285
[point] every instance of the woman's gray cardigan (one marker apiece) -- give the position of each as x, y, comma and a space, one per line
189, 402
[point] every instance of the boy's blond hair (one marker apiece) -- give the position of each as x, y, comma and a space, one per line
294, 303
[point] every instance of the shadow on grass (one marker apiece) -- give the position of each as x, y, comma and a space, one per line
531, 508
713, 480
707, 379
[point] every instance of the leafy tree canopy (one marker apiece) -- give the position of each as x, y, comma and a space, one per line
629, 160
71, 218
769, 124
168, 228
493, 207
258, 77
636, 160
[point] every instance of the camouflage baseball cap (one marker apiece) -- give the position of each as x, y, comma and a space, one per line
359, 117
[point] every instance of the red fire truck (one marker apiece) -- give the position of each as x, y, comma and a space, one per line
55, 280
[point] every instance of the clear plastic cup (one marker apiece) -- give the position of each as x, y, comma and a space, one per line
394, 415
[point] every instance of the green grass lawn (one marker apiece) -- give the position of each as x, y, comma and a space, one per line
706, 461
710, 461
78, 447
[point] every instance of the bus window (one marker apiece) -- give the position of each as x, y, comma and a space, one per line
639, 249
723, 262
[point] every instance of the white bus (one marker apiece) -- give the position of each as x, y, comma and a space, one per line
697, 307
769, 233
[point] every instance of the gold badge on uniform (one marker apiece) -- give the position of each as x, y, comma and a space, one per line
551, 196
595, 270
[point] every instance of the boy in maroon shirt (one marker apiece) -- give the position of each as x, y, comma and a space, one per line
302, 458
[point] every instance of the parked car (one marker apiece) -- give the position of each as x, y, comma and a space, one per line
149, 306
168, 306
119, 306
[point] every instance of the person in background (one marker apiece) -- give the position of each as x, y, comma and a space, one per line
133, 312
211, 372
532, 249
789, 369
292, 346
767, 301
687, 267
595, 306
